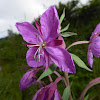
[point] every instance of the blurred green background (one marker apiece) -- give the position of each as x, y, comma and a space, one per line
83, 20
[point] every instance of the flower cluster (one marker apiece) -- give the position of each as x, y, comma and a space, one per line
46, 45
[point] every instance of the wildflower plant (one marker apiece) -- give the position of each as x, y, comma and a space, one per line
47, 47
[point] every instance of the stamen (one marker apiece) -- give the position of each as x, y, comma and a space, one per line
39, 38
36, 53
34, 56
29, 46
39, 60
39, 54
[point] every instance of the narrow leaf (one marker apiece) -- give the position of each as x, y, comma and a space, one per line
47, 72
65, 29
79, 62
66, 93
67, 34
62, 17
87, 97
92, 83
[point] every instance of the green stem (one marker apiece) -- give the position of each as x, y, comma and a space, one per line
67, 80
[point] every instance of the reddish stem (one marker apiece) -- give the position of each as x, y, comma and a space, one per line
75, 43
63, 79
58, 79
50, 78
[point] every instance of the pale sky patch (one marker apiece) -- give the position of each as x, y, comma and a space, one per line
12, 11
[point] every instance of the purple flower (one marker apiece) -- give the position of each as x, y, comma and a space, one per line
49, 92
94, 46
42, 42
21, 68
28, 79
0, 68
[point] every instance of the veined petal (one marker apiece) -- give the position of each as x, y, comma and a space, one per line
61, 58
97, 29
28, 32
30, 58
50, 24
89, 57
95, 47
49, 94
41, 93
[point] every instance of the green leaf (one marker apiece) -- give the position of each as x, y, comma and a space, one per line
66, 93
92, 83
47, 72
79, 62
67, 34
65, 29
87, 97
62, 17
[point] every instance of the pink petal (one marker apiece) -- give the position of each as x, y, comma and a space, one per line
30, 58
50, 24
57, 97
38, 27
63, 45
95, 47
28, 32
89, 57
97, 29
61, 58
47, 59
55, 43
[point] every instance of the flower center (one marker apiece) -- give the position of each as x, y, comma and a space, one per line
39, 50
44, 45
